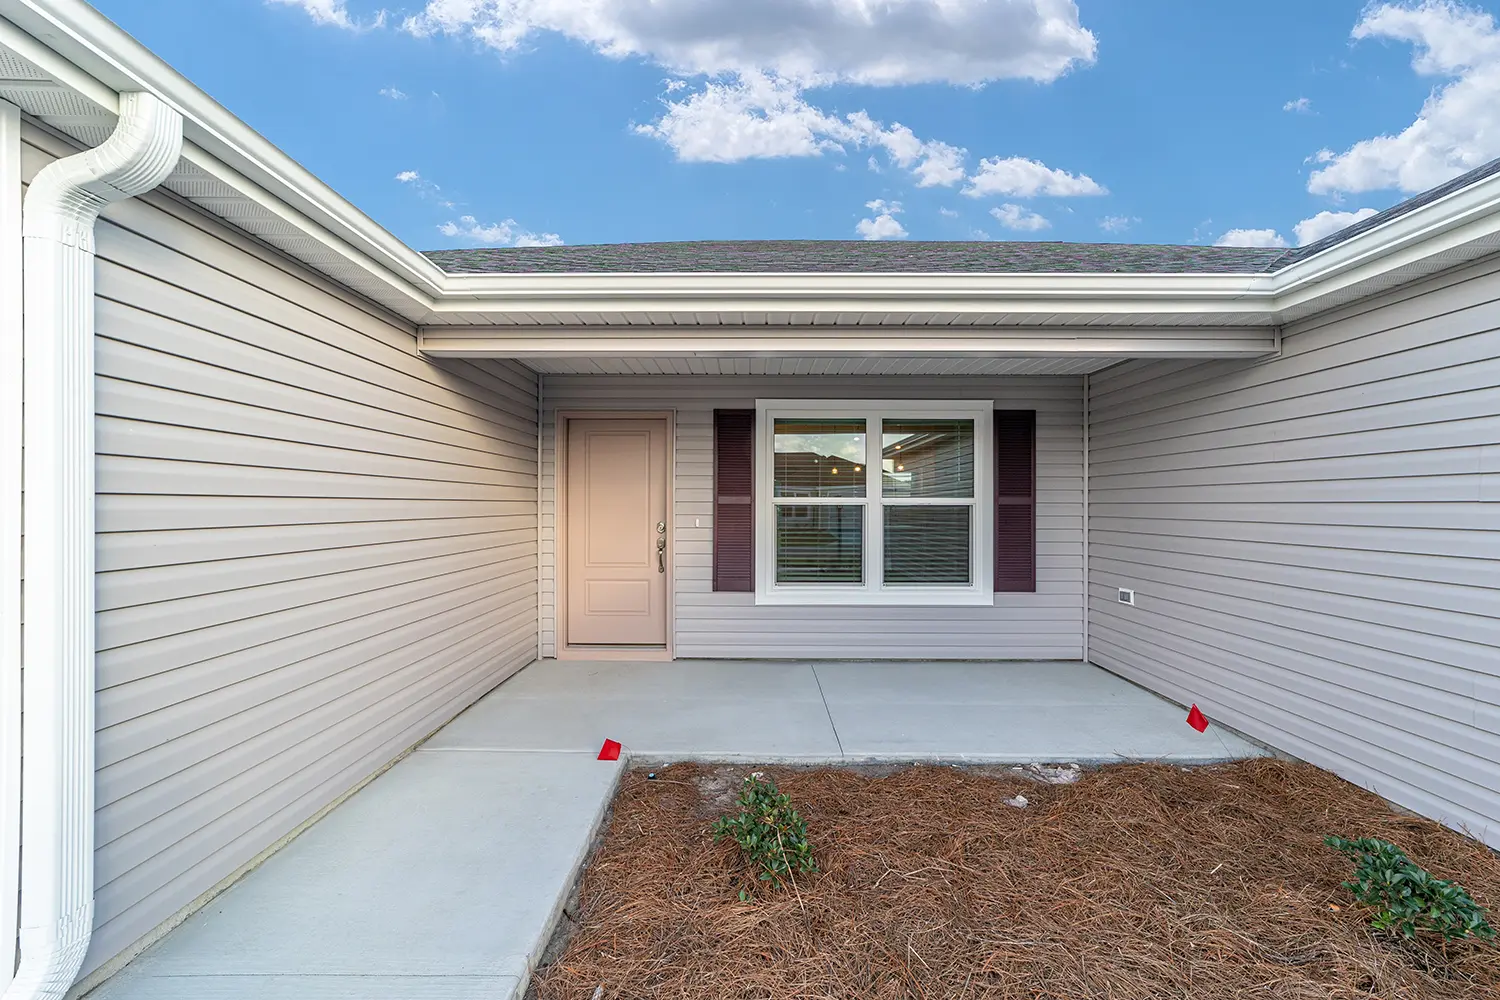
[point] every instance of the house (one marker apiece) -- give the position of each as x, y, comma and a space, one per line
296, 494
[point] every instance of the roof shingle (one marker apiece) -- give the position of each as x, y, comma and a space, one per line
916, 257
798, 256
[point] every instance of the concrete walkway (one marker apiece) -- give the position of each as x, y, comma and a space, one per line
443, 878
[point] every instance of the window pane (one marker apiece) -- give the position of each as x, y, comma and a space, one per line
927, 544
820, 458
928, 458
820, 543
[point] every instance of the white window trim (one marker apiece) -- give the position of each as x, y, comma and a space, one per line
981, 589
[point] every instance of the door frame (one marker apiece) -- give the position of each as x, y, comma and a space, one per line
565, 650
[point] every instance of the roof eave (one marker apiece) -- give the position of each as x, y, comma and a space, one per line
1464, 225
844, 292
85, 51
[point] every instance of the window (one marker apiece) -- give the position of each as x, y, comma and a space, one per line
873, 503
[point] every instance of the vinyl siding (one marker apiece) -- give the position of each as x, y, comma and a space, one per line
1044, 625
314, 548
1314, 541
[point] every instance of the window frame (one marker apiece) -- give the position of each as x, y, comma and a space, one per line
873, 591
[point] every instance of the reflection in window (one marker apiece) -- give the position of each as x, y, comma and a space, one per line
927, 458
820, 458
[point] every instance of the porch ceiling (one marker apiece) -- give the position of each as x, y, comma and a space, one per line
826, 365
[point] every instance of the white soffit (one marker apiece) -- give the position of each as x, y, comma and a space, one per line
698, 341
829, 365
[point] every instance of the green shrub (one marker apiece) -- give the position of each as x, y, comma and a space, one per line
1407, 899
769, 831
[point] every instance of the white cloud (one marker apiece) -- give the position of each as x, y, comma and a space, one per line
1251, 238
1458, 127
394, 93
424, 188
507, 233
334, 13
758, 116
1020, 219
964, 42
1117, 223
947, 213
884, 225
1301, 105
1018, 177
933, 163
753, 117
1326, 224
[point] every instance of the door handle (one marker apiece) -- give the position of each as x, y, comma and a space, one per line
661, 555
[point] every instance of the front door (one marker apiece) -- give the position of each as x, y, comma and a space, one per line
616, 532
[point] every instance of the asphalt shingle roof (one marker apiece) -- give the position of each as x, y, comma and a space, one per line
910, 256
769, 256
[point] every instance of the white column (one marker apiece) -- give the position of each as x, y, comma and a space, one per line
57, 823
10, 534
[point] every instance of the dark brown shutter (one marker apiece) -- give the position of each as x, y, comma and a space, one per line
734, 500
1015, 501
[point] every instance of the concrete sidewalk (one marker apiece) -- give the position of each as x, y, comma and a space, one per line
443, 879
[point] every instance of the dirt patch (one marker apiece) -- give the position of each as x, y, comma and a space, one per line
1133, 882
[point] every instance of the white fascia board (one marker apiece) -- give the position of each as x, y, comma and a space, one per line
1469, 217
687, 341
105, 60
421, 300
844, 292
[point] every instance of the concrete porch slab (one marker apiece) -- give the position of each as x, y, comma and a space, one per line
1009, 713
763, 711
836, 710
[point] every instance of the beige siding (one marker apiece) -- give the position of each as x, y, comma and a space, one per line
1044, 625
314, 548
1315, 542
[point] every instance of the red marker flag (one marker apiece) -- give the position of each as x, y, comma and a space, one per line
1197, 719
611, 750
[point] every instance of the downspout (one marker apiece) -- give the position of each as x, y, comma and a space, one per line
10, 534
57, 823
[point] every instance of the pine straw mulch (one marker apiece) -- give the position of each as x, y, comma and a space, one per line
1139, 881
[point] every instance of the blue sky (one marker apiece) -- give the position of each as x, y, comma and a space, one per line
495, 122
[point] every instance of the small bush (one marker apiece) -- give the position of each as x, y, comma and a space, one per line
769, 831
1407, 899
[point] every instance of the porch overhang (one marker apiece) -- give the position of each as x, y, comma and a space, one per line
1110, 344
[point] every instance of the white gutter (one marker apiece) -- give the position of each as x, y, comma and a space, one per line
62, 205
10, 533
